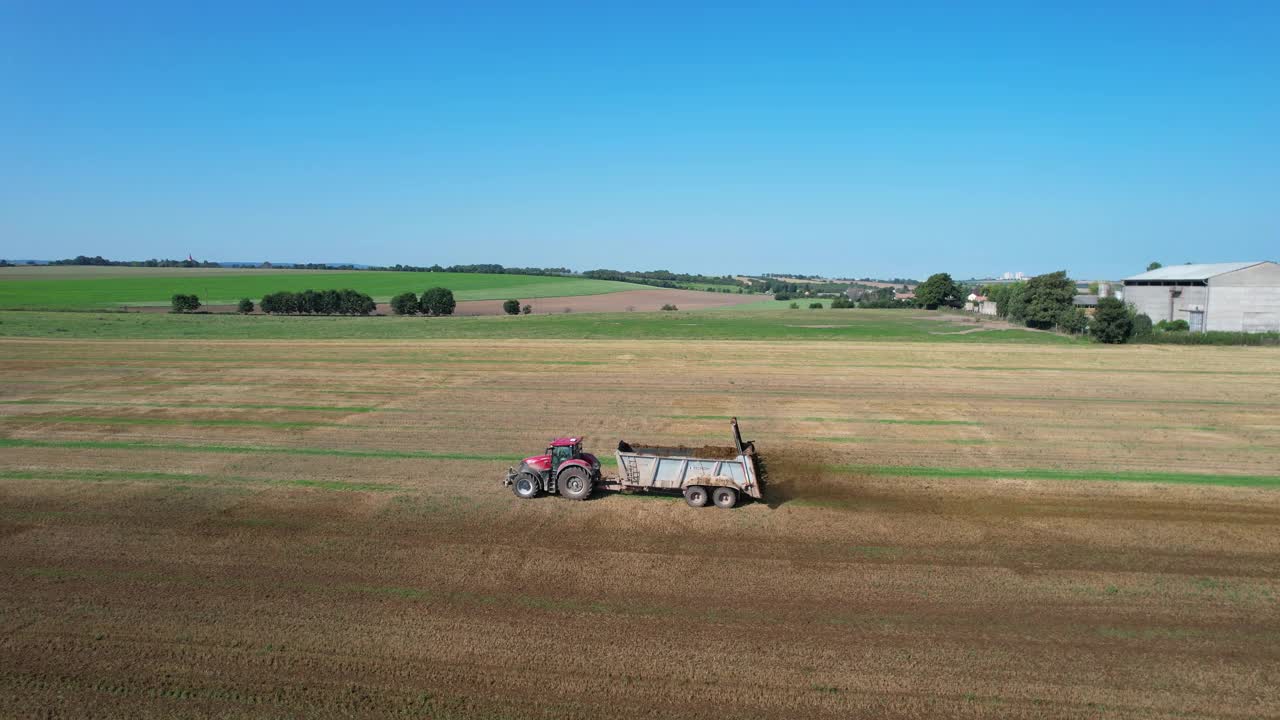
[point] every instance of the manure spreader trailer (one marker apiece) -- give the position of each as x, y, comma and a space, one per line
717, 475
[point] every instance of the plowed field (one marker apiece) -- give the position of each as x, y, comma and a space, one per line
318, 529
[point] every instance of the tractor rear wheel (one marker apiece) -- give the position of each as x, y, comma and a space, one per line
575, 484
724, 497
525, 486
696, 496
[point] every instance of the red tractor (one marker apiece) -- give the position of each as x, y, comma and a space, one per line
563, 468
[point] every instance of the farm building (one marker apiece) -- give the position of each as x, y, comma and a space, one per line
980, 304
1217, 296
1086, 302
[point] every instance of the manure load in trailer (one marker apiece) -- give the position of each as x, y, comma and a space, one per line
717, 475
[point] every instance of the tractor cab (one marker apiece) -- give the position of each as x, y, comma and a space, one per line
564, 468
562, 449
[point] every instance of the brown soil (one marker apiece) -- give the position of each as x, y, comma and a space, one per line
153, 567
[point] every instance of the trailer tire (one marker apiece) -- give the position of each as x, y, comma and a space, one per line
526, 486
724, 497
696, 496
575, 484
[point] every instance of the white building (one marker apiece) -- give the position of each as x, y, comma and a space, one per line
980, 304
1218, 296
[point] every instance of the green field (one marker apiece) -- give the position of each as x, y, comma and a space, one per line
73, 287
761, 321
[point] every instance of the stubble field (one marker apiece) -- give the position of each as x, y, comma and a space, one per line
317, 528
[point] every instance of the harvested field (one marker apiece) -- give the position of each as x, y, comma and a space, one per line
317, 529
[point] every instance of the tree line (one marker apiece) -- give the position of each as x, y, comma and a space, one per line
317, 302
659, 278
101, 261
435, 301
487, 268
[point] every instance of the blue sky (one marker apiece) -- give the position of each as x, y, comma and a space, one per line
752, 137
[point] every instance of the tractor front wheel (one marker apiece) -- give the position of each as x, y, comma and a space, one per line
525, 486
575, 484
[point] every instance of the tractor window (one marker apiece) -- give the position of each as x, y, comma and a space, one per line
559, 455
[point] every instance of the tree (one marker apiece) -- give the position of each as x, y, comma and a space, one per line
270, 303
527, 309
1111, 322
1142, 325
1016, 305
511, 307
670, 308
331, 301
1073, 320
246, 306
308, 301
1047, 296
437, 301
1005, 296
325, 302
404, 304
938, 291
353, 302
1153, 266
185, 303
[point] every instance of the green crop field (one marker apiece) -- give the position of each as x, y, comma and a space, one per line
72, 288
768, 320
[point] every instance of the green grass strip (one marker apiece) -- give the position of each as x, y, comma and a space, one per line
252, 449
1141, 476
126, 420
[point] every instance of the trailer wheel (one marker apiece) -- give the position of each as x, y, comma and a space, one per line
575, 484
696, 496
525, 486
724, 497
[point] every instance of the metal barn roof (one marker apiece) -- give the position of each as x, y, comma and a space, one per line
1201, 271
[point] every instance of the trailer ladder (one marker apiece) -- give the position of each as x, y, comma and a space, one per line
632, 470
